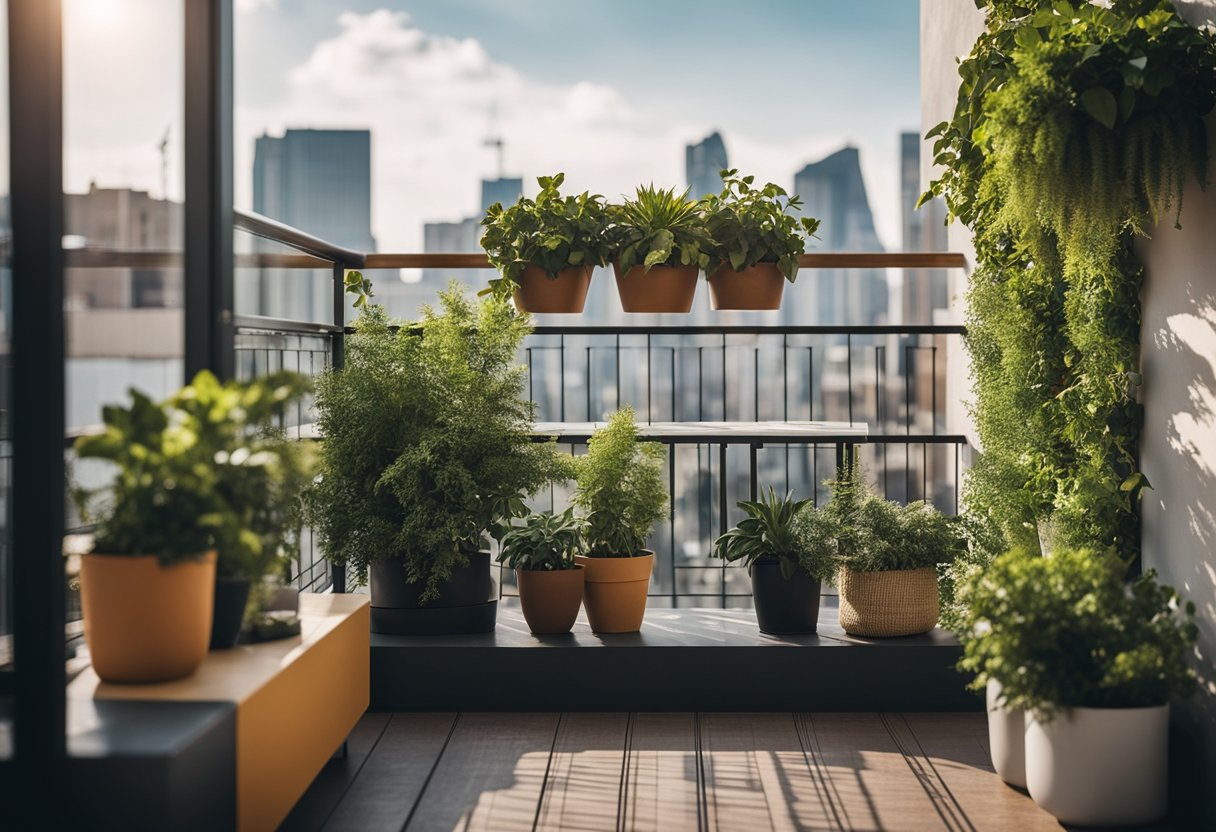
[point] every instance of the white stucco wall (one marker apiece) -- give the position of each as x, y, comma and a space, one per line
1178, 361
1178, 448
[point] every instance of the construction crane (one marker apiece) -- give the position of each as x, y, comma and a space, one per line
163, 147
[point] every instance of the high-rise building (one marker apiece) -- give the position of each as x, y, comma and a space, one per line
504, 190
319, 181
924, 290
833, 190
703, 164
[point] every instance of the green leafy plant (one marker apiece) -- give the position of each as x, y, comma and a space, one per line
428, 442
551, 232
866, 533
620, 488
768, 533
1077, 125
359, 286
1067, 630
749, 225
204, 470
545, 542
657, 228
261, 474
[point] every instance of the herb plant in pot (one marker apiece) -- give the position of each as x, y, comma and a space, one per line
658, 239
545, 249
146, 589
888, 558
754, 243
1093, 660
785, 574
259, 473
621, 493
427, 449
542, 553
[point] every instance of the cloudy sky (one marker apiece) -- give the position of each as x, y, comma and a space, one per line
609, 91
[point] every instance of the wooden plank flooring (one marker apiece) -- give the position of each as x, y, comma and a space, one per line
666, 772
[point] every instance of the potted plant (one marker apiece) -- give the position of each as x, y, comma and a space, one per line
621, 493
146, 588
1093, 660
887, 555
545, 249
754, 243
785, 574
542, 552
427, 449
260, 474
658, 239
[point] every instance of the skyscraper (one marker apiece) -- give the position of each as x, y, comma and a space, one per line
703, 162
505, 190
319, 181
833, 190
924, 229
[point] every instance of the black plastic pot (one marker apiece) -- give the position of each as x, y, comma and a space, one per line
467, 602
784, 606
231, 595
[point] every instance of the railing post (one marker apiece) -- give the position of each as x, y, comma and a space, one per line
337, 357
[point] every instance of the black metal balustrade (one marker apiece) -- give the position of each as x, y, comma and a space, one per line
890, 378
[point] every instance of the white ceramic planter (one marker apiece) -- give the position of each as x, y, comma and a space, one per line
1006, 738
1100, 766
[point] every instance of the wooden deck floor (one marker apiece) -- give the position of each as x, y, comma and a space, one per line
666, 772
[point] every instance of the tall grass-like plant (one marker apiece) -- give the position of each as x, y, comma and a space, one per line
428, 441
769, 531
620, 488
1077, 126
658, 228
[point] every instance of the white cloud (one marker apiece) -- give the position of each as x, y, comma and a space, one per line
246, 6
430, 101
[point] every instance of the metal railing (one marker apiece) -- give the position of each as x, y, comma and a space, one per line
890, 377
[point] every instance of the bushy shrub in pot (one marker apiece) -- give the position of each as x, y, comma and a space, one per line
147, 586
1093, 659
658, 243
542, 552
546, 248
427, 449
261, 474
785, 573
754, 243
887, 556
621, 493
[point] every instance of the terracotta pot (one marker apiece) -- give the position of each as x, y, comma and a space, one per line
899, 602
550, 599
614, 592
1006, 737
662, 289
145, 622
567, 292
756, 287
1100, 766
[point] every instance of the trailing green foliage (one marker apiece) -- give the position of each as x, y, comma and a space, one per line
866, 533
545, 542
1065, 630
551, 232
658, 228
620, 488
427, 439
1076, 127
749, 225
204, 470
768, 533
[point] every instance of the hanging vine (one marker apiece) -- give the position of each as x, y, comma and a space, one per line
1077, 126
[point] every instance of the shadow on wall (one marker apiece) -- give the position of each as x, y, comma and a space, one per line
1179, 452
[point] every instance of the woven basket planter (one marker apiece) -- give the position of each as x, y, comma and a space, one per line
887, 604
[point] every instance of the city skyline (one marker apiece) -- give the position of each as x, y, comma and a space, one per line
435, 80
